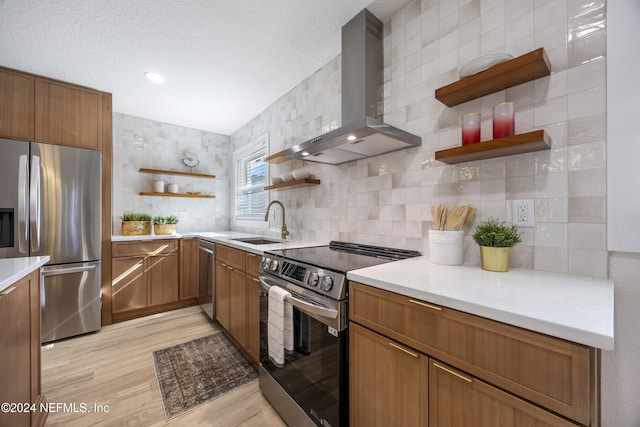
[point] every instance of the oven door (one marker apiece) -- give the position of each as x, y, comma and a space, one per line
315, 373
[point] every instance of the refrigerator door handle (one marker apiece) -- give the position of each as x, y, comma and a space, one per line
70, 270
23, 211
34, 204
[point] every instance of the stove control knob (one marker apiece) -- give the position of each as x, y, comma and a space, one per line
326, 284
313, 279
265, 263
274, 265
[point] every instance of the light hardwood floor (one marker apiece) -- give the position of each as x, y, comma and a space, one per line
114, 368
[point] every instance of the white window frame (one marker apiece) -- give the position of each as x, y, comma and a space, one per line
256, 220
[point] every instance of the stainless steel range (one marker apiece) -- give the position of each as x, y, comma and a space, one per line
311, 386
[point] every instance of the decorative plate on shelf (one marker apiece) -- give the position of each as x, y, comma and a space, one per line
482, 63
190, 160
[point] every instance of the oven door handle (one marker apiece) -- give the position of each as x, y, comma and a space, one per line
303, 305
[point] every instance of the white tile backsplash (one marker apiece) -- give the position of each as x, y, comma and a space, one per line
386, 200
142, 143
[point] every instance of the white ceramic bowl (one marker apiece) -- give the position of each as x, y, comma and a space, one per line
287, 176
276, 180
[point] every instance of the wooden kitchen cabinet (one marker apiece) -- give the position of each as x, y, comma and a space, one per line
16, 105
222, 297
252, 283
164, 282
20, 351
558, 375
237, 297
397, 391
458, 399
67, 114
146, 278
188, 269
129, 285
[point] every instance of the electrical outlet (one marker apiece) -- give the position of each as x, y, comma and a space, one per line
523, 213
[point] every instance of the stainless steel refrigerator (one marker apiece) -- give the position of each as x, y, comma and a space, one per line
50, 204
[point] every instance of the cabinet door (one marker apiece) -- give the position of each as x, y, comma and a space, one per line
163, 279
129, 284
16, 105
188, 268
67, 114
387, 381
237, 306
253, 318
458, 399
222, 294
15, 351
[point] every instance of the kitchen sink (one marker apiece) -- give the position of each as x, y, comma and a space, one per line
257, 240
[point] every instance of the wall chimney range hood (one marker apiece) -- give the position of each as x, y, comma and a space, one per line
363, 133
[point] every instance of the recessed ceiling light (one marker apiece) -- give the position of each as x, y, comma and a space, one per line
154, 77
351, 137
305, 153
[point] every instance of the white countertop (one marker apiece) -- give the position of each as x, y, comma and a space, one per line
575, 308
227, 237
14, 269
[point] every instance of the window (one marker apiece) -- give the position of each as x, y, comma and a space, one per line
251, 178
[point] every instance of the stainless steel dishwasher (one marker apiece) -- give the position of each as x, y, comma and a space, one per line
207, 277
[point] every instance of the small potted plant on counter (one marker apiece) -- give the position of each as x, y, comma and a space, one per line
165, 224
496, 240
135, 224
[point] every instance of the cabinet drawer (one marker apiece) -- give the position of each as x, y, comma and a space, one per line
253, 264
554, 373
151, 247
231, 256
458, 399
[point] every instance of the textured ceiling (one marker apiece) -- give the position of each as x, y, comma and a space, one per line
224, 61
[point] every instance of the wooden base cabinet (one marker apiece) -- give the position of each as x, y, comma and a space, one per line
189, 259
554, 374
388, 382
20, 351
237, 297
146, 278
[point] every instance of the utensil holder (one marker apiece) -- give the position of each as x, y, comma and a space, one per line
446, 247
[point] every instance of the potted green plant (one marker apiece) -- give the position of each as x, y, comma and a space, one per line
135, 224
496, 240
165, 224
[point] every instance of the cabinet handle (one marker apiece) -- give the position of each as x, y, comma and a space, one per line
251, 254
452, 372
7, 291
424, 304
255, 280
223, 264
230, 268
402, 349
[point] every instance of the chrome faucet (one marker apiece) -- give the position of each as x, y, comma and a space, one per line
285, 232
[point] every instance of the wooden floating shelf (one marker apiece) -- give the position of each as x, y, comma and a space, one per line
306, 182
277, 158
168, 172
193, 196
517, 144
522, 69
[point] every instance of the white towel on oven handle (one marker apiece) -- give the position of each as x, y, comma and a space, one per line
280, 325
